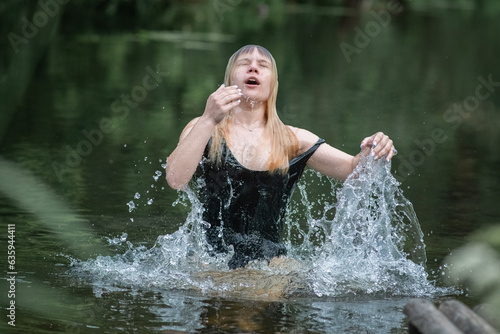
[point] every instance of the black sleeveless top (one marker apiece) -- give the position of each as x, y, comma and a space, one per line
244, 207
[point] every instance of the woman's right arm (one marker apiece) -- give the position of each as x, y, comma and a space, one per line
183, 161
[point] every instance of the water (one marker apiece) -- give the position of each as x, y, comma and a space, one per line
100, 247
373, 247
374, 244
371, 255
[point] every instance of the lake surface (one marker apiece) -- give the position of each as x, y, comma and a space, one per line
83, 181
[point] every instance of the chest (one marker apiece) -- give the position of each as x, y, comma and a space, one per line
250, 149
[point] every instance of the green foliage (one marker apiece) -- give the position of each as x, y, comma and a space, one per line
489, 236
477, 267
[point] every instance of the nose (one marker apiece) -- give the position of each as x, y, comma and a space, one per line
253, 68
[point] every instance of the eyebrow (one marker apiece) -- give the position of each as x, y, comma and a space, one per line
260, 61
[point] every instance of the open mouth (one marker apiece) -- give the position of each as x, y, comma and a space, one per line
252, 81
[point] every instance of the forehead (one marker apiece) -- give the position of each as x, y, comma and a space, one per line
253, 53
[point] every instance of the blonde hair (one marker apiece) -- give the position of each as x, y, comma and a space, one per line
284, 143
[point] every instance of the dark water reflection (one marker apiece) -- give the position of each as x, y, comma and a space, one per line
95, 125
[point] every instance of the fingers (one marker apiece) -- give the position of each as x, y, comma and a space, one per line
227, 96
391, 154
229, 90
222, 101
381, 145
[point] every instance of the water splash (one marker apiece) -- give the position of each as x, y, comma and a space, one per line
172, 263
366, 240
118, 240
253, 103
374, 243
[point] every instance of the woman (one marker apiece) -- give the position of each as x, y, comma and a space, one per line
246, 161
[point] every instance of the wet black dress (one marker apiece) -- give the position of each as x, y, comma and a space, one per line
245, 208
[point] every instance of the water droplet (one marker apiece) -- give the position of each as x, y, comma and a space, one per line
131, 206
157, 175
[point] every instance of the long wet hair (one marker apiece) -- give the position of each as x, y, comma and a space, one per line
284, 143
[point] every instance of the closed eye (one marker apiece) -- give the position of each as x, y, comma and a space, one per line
243, 62
264, 63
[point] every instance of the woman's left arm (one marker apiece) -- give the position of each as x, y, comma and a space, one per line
338, 164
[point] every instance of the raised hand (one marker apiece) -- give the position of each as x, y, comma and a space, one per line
381, 145
221, 101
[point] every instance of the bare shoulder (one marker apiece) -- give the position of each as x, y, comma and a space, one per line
306, 138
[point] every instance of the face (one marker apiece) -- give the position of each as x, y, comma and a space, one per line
252, 74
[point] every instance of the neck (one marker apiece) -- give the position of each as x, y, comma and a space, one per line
251, 105
249, 115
